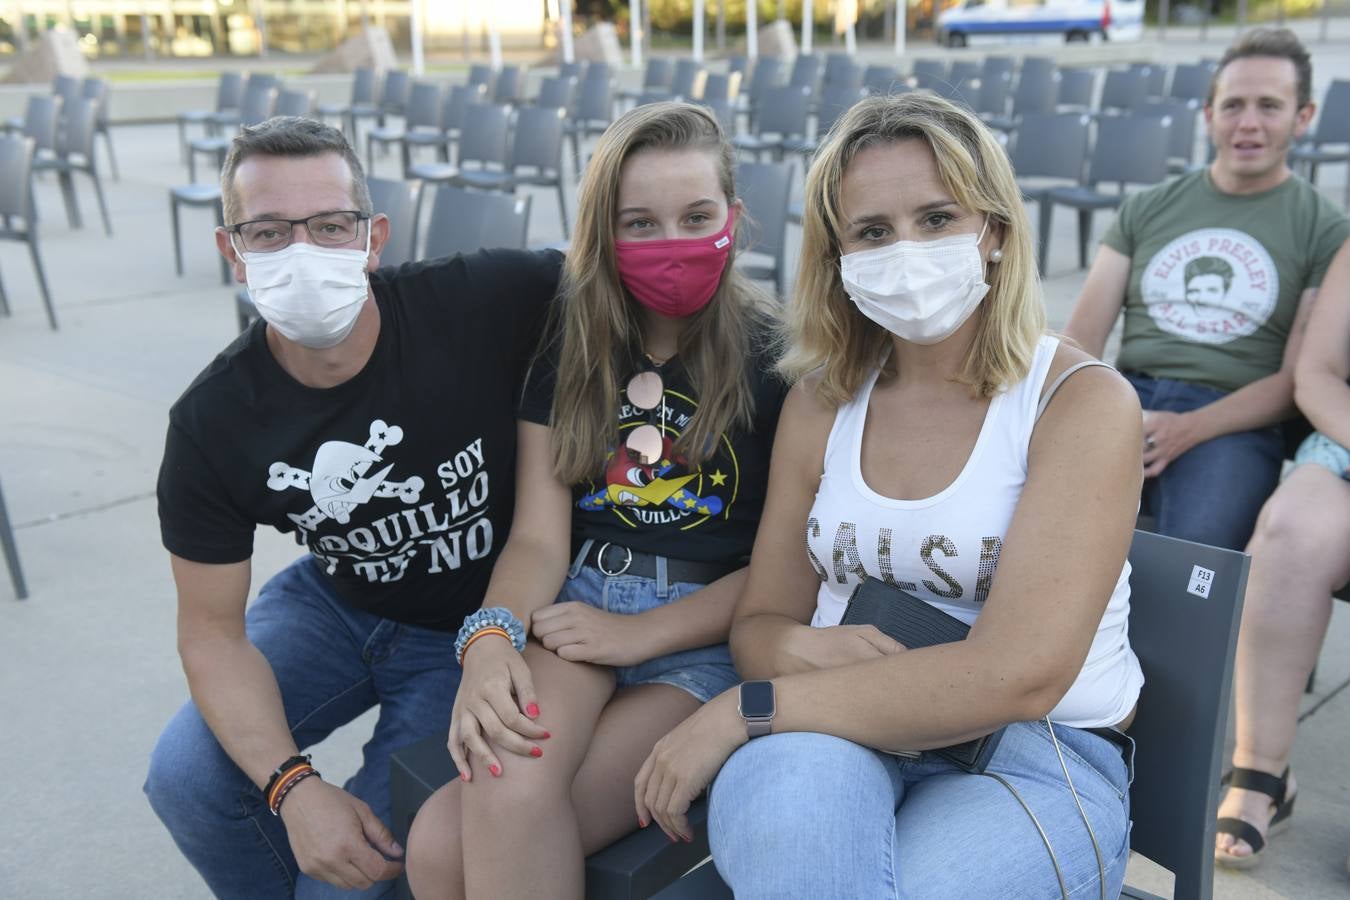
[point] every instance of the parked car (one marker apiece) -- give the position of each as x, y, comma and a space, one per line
1003, 21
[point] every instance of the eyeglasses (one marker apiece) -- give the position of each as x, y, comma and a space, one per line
646, 391
328, 229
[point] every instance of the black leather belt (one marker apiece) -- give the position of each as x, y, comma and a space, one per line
614, 560
1115, 736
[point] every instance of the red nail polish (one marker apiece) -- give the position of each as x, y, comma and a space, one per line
688, 840
532, 710
495, 769
464, 776
547, 735
536, 752
642, 823
674, 840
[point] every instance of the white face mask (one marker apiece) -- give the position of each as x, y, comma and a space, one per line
920, 291
311, 295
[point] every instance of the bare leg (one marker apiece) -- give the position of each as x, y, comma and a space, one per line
1298, 559
524, 841
630, 726
435, 860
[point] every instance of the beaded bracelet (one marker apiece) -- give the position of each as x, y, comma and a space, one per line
290, 786
497, 617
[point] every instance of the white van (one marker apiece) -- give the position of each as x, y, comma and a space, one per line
1023, 21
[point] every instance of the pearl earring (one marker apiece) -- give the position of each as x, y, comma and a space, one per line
996, 255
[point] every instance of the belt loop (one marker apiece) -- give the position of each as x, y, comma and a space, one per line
580, 559
662, 582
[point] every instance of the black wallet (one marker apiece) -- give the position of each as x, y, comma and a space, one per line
914, 623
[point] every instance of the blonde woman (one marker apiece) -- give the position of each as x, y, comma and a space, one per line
644, 441
912, 449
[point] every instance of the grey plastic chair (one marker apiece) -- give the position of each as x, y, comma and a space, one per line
1333, 128
457, 101
806, 73
259, 102
1185, 638
994, 65
463, 221
835, 100
75, 153
536, 159
724, 112
595, 110
769, 73
928, 73
40, 117
557, 93
881, 80
1155, 78
510, 85
964, 70
11, 552
782, 118
656, 77
576, 69
722, 87
765, 189
1184, 115
1077, 90
482, 145
1049, 150
232, 119
396, 199
1190, 81
991, 97
840, 69
393, 95
1035, 93
97, 89
295, 103
687, 83
205, 195
485, 75
362, 99
423, 124
16, 206
229, 95
1129, 149
1124, 90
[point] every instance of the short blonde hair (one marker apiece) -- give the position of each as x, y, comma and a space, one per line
825, 331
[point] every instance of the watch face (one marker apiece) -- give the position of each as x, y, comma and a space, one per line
757, 699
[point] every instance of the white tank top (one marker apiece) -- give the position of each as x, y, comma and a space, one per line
944, 548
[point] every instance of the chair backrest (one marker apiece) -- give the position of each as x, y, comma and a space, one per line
784, 111
229, 91
1190, 81
426, 107
992, 96
964, 70
394, 94
1155, 78
397, 200
928, 72
738, 62
556, 93
295, 103
806, 71
724, 112
1124, 89
994, 65
768, 74
76, 134
1036, 91
1333, 117
483, 134
1130, 149
835, 100
765, 189
39, 120
880, 80
363, 86
481, 73
1076, 88
689, 80
1181, 135
260, 80
539, 138
1185, 605
457, 101
658, 74
1051, 145
463, 221
719, 86
840, 69
510, 85
16, 164
575, 70
97, 89
259, 102
67, 87
597, 101
597, 71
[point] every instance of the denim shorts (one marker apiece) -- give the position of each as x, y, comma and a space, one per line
1321, 450
703, 672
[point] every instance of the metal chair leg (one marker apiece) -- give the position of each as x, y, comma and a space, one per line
67, 182
562, 207
1084, 234
41, 278
219, 208
112, 157
1043, 252
102, 204
177, 241
11, 552
4, 302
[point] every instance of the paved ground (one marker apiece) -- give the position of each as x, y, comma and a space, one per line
89, 672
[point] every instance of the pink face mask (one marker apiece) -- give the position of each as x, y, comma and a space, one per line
678, 277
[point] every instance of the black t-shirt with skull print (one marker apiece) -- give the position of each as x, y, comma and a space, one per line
400, 481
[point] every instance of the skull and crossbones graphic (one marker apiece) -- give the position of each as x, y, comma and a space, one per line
339, 482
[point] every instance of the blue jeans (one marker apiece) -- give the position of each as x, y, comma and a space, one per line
332, 663
1213, 493
804, 815
703, 672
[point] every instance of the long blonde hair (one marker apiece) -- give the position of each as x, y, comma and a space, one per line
825, 330
600, 327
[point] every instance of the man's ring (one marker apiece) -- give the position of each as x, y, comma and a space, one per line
1148, 443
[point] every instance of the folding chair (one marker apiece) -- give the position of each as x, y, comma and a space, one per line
16, 205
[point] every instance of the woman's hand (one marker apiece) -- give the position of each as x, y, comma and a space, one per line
808, 648
578, 632
495, 702
684, 763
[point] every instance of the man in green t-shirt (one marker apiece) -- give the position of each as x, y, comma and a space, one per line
1215, 271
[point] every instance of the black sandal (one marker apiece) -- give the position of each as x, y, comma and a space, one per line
1282, 806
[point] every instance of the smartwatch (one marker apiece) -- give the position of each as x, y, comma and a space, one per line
757, 707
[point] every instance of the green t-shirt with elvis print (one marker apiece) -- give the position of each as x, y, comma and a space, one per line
1215, 279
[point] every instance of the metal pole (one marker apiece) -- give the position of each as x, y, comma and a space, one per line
494, 46
635, 31
565, 20
698, 29
1164, 13
782, 9
1204, 21
21, 27
1326, 21
901, 25
415, 35
1242, 14
808, 25
261, 20
751, 29
722, 24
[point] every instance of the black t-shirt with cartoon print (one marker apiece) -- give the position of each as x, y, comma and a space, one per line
703, 513
400, 481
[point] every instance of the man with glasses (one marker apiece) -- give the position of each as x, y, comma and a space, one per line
371, 414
